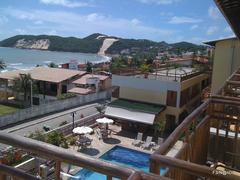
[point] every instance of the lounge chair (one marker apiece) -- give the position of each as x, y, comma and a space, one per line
138, 141
147, 143
160, 141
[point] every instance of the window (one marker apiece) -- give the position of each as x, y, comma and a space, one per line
171, 98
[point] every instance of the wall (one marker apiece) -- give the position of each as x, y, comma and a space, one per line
226, 61
144, 84
146, 90
194, 80
143, 95
50, 107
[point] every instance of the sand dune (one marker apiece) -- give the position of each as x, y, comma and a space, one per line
106, 44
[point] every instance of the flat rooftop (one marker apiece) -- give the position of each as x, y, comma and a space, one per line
178, 72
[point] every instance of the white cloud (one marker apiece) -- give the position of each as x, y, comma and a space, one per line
3, 19
159, 2
20, 31
51, 32
38, 22
182, 20
85, 24
212, 29
213, 12
66, 3
194, 27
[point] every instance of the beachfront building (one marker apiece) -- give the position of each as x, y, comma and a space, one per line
51, 83
90, 83
226, 58
178, 90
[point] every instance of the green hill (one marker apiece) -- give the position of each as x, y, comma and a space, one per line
92, 44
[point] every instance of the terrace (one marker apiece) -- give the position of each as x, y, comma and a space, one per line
177, 74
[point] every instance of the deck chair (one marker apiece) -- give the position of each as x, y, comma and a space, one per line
138, 141
157, 146
147, 143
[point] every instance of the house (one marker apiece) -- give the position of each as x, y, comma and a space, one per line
90, 83
50, 82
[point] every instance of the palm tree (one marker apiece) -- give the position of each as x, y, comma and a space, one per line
23, 84
2, 64
145, 69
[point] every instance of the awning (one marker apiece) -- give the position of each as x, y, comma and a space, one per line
130, 115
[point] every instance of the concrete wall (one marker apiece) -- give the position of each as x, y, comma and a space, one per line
193, 81
143, 95
146, 90
226, 61
54, 106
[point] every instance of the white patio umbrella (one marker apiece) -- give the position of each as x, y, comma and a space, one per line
104, 120
82, 130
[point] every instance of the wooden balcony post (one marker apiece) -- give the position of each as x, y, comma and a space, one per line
57, 170
109, 177
154, 167
2, 176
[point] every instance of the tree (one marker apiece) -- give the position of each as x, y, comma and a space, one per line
159, 127
38, 135
145, 69
89, 67
100, 108
55, 138
52, 65
2, 64
23, 84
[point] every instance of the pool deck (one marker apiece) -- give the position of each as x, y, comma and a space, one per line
118, 137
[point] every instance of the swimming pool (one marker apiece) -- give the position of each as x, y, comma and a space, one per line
118, 155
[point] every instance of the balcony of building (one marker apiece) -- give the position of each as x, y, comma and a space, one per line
211, 138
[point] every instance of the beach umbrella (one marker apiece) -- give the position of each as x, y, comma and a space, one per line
104, 120
82, 130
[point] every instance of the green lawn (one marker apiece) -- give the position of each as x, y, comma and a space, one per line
7, 109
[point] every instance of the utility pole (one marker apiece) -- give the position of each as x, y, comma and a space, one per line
31, 94
73, 118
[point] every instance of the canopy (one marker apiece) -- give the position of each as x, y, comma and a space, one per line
82, 130
104, 120
130, 115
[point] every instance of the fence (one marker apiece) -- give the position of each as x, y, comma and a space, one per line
50, 107
87, 121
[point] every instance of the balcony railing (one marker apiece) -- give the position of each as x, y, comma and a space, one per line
60, 155
219, 113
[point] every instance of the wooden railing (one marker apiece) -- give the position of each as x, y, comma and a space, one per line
190, 162
60, 155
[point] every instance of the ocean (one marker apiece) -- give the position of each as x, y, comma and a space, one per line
26, 59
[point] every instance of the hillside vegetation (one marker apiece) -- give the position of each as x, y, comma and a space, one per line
94, 42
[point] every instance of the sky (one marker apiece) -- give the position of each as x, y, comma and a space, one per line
158, 20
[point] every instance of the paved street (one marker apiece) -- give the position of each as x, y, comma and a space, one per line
52, 121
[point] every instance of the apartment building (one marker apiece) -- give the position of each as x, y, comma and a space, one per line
179, 90
226, 60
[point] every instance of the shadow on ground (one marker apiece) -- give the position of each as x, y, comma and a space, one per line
111, 141
90, 151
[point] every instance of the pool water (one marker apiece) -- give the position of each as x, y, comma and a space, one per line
118, 155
